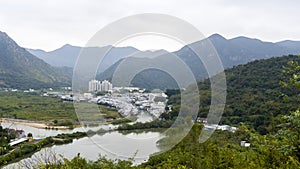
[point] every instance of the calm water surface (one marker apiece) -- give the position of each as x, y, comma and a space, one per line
113, 145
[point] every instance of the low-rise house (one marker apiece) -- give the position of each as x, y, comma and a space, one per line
245, 144
18, 141
20, 133
202, 120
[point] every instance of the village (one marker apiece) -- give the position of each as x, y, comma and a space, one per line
128, 101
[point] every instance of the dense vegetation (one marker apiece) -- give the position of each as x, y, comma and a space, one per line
22, 70
148, 125
254, 94
26, 149
4, 140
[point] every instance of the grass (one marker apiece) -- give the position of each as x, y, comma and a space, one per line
32, 106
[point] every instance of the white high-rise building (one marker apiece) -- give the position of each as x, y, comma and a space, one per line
106, 86
95, 85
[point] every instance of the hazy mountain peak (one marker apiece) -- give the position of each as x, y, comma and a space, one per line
217, 36
67, 45
149, 53
244, 38
2, 33
288, 42
4, 38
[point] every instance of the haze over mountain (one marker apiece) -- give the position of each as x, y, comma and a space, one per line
232, 52
152, 64
20, 69
67, 55
242, 49
63, 56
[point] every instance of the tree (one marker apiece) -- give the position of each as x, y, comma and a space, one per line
290, 133
55, 122
29, 135
293, 71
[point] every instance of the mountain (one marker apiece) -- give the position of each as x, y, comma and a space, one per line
254, 94
64, 56
232, 52
240, 50
20, 69
151, 78
67, 55
292, 46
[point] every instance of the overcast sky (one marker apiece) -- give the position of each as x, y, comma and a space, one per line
49, 24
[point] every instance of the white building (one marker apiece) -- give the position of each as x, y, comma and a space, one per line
95, 85
106, 86
245, 144
87, 95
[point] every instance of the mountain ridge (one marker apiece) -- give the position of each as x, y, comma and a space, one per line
232, 52
20, 69
67, 55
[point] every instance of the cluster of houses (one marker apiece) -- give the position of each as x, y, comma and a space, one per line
120, 103
30, 90
16, 90
133, 103
208, 126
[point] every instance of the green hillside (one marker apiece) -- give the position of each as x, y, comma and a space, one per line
22, 70
254, 94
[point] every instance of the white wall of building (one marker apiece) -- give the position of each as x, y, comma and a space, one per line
95, 85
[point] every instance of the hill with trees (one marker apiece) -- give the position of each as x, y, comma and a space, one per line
22, 70
254, 94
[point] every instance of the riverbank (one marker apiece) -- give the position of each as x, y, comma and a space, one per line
48, 125
25, 150
35, 124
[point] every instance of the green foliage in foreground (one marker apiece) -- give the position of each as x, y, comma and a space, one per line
221, 151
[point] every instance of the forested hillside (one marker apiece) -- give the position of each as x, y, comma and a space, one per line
254, 94
22, 70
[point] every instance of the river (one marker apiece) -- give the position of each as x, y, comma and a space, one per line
113, 145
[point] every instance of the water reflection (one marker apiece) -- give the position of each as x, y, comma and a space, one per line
113, 145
